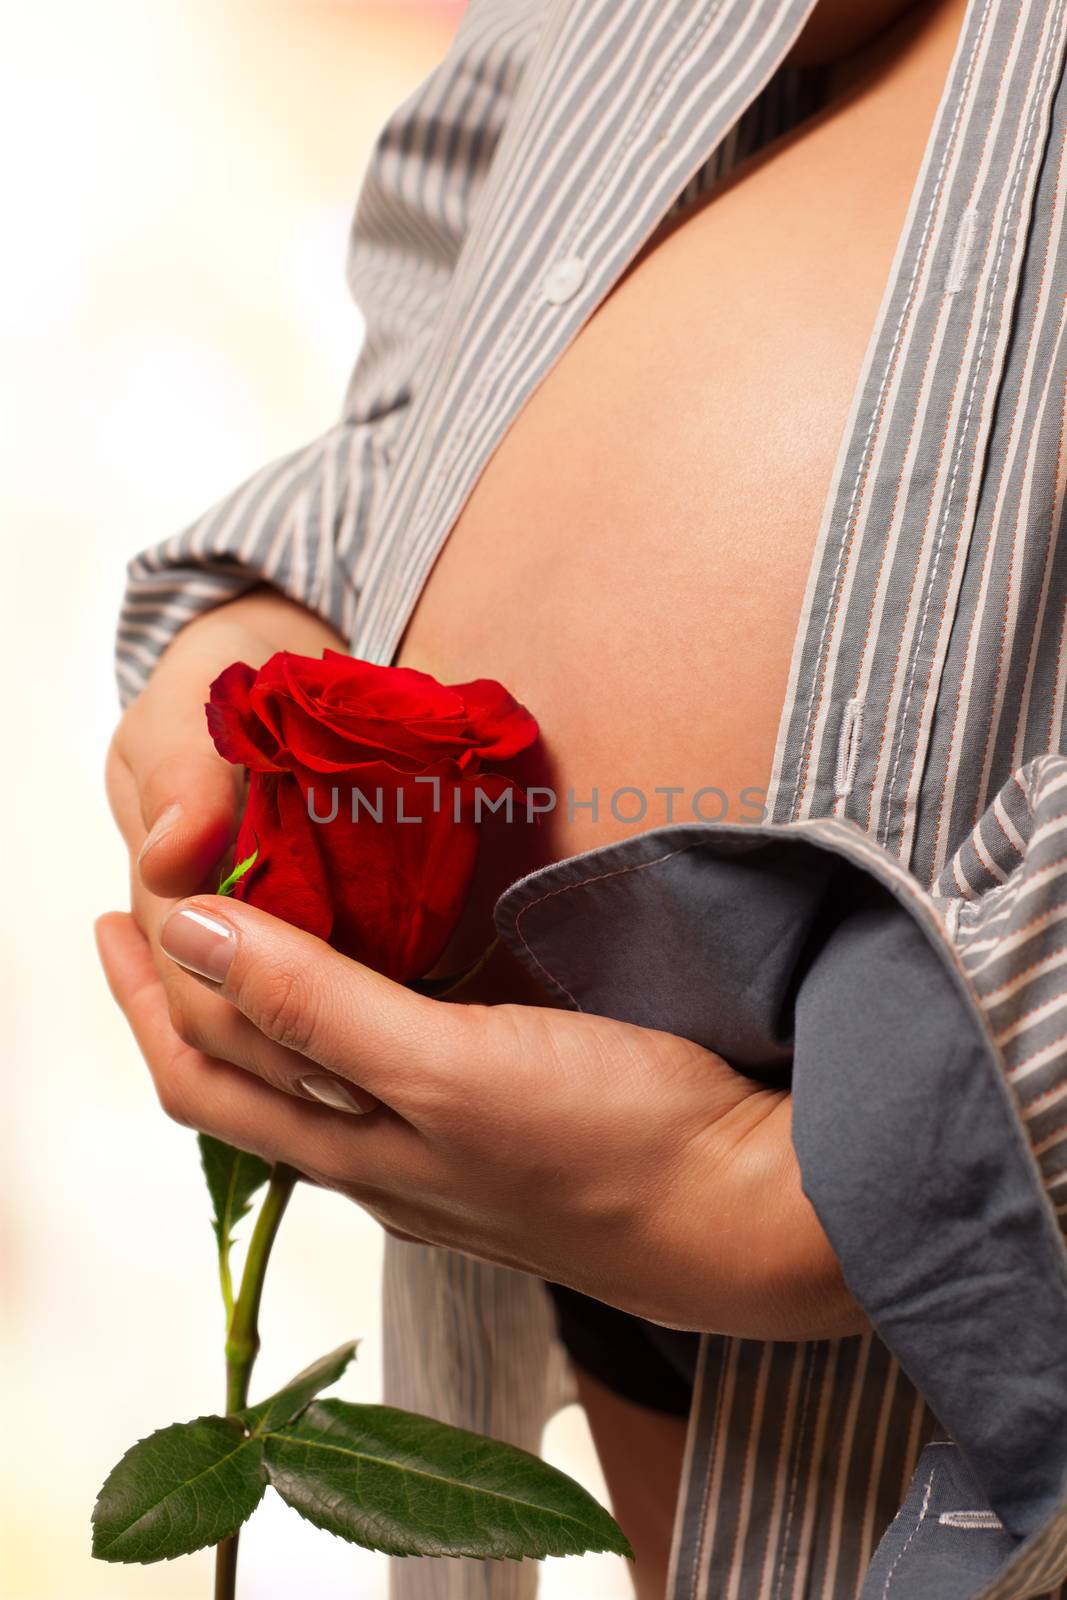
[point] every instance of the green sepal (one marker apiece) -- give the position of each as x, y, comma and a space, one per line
233, 1177
411, 1486
226, 886
180, 1489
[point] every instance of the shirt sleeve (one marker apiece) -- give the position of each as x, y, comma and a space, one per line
303, 523
923, 1033
1003, 900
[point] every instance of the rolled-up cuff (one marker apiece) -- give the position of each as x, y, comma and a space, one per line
802, 952
297, 525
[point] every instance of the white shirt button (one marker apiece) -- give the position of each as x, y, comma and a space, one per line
563, 280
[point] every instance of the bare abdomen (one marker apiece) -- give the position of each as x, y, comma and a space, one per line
632, 561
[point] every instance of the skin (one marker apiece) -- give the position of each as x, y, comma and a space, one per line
645, 1136
840, 28
688, 634
643, 1501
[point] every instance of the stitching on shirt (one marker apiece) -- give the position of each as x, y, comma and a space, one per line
993, 962
595, 877
994, 904
651, 102
1042, 1102
886, 736
1037, 875
1052, 740
848, 841
986, 903
1006, 232
983, 844
992, 919
952, 919
970, 1519
705, 1497
1018, 1070
1016, 883
848, 748
878, 413
1057, 498
1015, 840
1043, 1146
900, 487
799, 1440
1027, 885
534, 301
1023, 1020
903, 1549
755, 1432
989, 996
961, 251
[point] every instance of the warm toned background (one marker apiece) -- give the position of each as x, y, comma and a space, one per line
179, 179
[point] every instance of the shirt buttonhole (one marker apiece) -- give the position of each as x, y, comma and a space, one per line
961, 252
848, 748
970, 1519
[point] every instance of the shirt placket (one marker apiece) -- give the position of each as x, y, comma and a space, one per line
899, 518
856, 725
675, 80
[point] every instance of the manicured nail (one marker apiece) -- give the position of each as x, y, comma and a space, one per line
164, 823
203, 944
337, 1095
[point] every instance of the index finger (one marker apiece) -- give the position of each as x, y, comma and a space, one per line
301, 993
208, 1093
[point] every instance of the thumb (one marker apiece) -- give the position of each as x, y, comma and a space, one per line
306, 996
189, 801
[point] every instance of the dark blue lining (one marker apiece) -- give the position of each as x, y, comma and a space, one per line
769, 946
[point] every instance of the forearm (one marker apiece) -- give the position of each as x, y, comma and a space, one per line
270, 620
805, 1283
751, 1257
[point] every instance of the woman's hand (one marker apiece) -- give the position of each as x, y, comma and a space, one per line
175, 800
625, 1162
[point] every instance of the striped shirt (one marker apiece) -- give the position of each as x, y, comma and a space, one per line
919, 743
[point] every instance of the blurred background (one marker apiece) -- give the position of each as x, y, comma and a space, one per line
179, 179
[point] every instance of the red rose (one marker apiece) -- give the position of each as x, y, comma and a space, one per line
326, 739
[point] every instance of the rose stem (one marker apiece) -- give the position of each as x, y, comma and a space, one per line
242, 1339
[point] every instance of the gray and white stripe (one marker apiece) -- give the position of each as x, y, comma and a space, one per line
930, 650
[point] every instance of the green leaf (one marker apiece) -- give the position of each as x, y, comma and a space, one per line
180, 1489
226, 886
411, 1486
298, 1393
233, 1176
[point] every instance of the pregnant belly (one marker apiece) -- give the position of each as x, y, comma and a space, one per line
633, 558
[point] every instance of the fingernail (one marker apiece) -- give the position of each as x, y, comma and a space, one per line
332, 1092
160, 828
201, 943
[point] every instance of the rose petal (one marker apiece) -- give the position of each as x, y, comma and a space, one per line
288, 878
238, 734
500, 726
388, 892
398, 885
292, 698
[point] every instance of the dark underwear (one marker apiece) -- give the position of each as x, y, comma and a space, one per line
642, 1362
